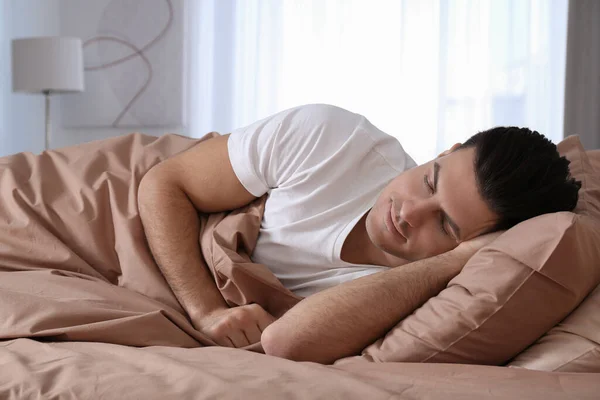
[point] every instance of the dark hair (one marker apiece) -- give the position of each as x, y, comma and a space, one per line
520, 174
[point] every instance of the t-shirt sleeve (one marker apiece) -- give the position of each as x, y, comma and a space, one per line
271, 152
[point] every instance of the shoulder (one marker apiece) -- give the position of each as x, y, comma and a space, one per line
323, 121
319, 114
324, 110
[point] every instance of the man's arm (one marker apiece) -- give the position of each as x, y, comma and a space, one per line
344, 319
170, 196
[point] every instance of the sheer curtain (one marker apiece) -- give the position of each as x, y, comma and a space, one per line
429, 72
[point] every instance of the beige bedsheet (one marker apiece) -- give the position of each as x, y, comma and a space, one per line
74, 370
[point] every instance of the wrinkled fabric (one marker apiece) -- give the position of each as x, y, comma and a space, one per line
74, 261
75, 370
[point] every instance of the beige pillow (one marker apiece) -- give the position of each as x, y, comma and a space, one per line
594, 157
513, 290
571, 346
574, 344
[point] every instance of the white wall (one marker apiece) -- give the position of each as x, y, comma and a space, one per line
22, 125
22, 115
4, 76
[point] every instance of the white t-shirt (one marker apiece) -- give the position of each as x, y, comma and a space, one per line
323, 168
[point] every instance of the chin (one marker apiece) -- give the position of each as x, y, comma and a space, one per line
377, 235
384, 246
400, 251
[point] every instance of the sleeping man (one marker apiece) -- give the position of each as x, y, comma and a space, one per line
350, 222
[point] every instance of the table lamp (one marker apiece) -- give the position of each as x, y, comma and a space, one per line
47, 65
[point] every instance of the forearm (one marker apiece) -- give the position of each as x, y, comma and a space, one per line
171, 225
342, 320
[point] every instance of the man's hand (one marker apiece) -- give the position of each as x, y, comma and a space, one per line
235, 327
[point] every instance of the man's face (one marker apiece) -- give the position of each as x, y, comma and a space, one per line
435, 206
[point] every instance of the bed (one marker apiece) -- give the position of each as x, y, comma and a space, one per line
86, 313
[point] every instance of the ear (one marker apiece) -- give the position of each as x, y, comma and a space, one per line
450, 150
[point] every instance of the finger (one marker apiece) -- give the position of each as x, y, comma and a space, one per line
263, 319
219, 337
253, 333
238, 338
223, 341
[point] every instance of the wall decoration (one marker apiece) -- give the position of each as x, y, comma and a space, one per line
134, 57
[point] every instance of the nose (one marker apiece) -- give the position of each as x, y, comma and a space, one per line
414, 212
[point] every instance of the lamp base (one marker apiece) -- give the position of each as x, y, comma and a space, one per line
47, 138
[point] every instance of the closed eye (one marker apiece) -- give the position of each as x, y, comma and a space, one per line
428, 184
432, 191
442, 227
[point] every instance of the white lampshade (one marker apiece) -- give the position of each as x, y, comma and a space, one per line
47, 64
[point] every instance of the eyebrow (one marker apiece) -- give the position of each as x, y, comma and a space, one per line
436, 174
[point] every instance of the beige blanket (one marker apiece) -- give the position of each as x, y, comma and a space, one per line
74, 261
